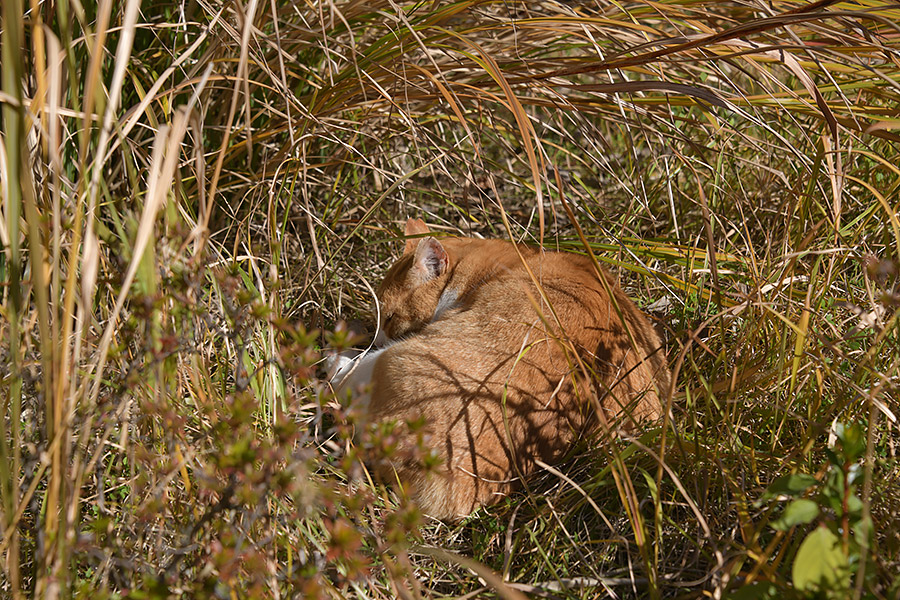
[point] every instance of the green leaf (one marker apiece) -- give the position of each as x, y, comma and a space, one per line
651, 483
854, 473
798, 512
863, 531
854, 505
820, 563
853, 440
760, 590
789, 485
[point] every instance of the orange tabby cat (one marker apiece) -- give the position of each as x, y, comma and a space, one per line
504, 372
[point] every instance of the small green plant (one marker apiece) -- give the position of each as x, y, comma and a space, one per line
839, 543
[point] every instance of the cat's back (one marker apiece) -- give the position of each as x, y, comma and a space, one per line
537, 309
504, 282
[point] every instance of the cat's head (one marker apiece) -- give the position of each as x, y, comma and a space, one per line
411, 290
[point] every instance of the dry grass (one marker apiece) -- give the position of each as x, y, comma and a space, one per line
196, 194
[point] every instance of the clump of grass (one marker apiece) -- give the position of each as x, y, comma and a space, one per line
196, 195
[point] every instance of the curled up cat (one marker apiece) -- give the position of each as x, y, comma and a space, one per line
508, 354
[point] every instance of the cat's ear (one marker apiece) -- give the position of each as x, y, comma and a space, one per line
429, 261
414, 227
